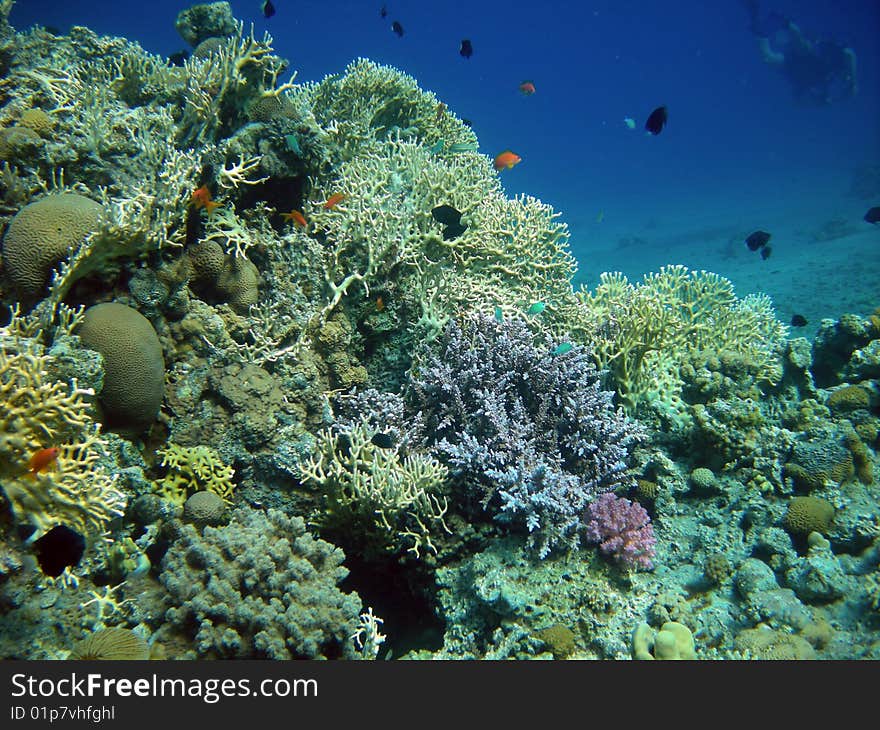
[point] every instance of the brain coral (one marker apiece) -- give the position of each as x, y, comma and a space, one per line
43, 233
134, 370
808, 514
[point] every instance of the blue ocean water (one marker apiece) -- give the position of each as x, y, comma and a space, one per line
736, 144
739, 153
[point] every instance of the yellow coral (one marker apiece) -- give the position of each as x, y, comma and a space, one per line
643, 333
39, 412
194, 469
398, 495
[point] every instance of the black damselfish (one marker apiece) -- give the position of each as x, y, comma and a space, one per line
873, 215
757, 239
466, 50
397, 28
451, 218
446, 214
766, 251
657, 120
798, 320
383, 12
268, 9
382, 440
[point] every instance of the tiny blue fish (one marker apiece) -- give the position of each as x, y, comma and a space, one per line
293, 144
561, 348
536, 308
499, 315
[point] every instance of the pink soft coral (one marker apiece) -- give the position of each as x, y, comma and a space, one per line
623, 530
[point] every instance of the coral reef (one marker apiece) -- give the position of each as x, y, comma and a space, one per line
249, 281
260, 587
528, 433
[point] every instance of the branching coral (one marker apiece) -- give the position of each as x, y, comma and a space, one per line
220, 85
260, 587
193, 469
38, 413
641, 333
370, 102
376, 489
528, 431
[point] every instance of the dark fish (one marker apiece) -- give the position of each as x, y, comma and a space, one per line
873, 215
383, 12
382, 440
397, 28
453, 231
765, 252
177, 59
59, 548
798, 320
451, 218
446, 214
466, 50
268, 9
757, 239
657, 120
467, 122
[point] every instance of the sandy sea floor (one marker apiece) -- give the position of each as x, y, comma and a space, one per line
825, 258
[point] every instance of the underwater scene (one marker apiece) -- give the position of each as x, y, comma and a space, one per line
490, 330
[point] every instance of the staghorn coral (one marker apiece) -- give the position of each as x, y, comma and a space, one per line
529, 433
260, 587
39, 412
641, 333
372, 489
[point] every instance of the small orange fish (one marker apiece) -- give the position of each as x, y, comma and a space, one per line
334, 200
506, 160
201, 198
527, 88
380, 303
42, 460
295, 216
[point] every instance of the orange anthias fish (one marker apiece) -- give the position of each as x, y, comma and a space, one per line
334, 200
42, 460
201, 198
380, 303
506, 160
296, 217
527, 88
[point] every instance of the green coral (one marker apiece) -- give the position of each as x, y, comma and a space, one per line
370, 102
390, 498
641, 333
808, 514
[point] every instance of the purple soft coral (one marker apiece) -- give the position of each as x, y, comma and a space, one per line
623, 530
